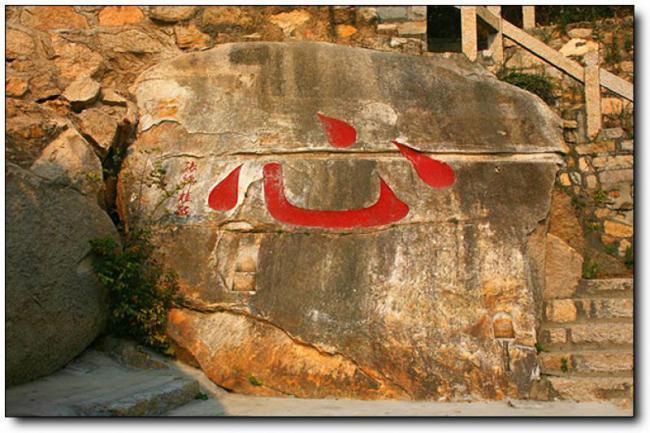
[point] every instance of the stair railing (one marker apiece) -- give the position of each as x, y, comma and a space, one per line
591, 75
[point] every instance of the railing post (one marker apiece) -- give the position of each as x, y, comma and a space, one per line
495, 40
528, 13
468, 31
592, 94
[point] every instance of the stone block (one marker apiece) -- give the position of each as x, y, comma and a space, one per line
391, 13
580, 33
386, 28
613, 162
606, 287
603, 334
610, 178
171, 14
618, 229
612, 133
578, 47
563, 269
627, 145
599, 147
561, 311
555, 336
112, 16
616, 308
591, 388
412, 28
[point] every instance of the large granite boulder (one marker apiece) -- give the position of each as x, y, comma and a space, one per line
55, 306
347, 222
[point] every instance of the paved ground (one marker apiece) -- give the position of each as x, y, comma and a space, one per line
237, 405
96, 384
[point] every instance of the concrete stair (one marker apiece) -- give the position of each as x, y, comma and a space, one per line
96, 384
587, 352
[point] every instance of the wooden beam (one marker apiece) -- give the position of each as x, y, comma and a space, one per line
543, 51
592, 94
495, 40
608, 80
468, 31
617, 84
528, 13
491, 15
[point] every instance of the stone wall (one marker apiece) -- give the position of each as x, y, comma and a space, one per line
70, 67
50, 47
598, 174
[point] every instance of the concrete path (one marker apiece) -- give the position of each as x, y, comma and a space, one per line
238, 405
97, 385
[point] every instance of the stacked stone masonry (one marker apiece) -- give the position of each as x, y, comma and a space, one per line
599, 173
587, 336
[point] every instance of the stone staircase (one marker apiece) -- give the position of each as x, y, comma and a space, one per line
587, 352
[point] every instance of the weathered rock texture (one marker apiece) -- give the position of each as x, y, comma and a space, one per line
403, 310
54, 304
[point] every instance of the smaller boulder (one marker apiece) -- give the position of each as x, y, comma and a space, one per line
82, 93
563, 269
111, 97
578, 47
190, 37
581, 33
113, 16
100, 128
70, 160
18, 44
55, 307
171, 14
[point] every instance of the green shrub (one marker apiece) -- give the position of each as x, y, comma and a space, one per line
565, 365
538, 84
254, 380
589, 269
141, 291
611, 249
629, 258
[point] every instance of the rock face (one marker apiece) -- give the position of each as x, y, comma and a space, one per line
316, 257
55, 307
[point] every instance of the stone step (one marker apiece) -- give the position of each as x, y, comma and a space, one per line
606, 288
588, 363
149, 398
592, 388
588, 309
587, 335
97, 385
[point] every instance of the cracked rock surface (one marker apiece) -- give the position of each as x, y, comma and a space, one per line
403, 310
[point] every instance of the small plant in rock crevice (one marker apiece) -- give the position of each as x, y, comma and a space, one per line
629, 258
611, 249
254, 380
538, 84
141, 289
201, 396
564, 365
589, 269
